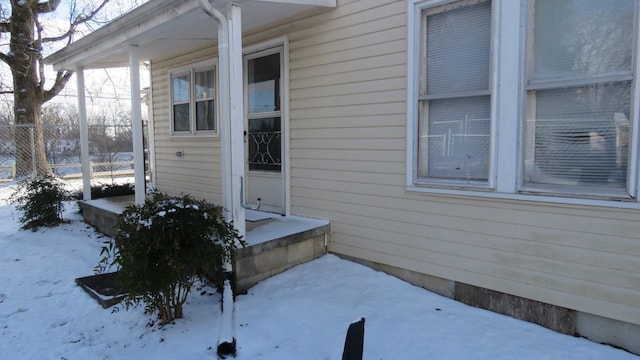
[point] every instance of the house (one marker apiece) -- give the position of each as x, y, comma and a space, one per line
485, 150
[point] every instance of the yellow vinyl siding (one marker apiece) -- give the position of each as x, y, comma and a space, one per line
197, 172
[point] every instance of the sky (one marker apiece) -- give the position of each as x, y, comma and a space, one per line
302, 313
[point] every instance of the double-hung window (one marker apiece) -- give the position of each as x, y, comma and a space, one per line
527, 99
193, 96
454, 97
580, 72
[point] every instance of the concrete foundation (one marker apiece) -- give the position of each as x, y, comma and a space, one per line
607, 331
553, 317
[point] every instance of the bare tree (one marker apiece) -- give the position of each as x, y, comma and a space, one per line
23, 24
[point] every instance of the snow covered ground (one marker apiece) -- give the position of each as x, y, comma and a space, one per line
300, 314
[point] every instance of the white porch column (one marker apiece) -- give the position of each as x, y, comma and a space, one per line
225, 128
236, 113
84, 135
136, 121
231, 105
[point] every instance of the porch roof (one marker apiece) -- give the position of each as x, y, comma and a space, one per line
165, 28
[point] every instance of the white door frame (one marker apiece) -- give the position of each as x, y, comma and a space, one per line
276, 45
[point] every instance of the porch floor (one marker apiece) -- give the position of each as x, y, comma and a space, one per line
274, 242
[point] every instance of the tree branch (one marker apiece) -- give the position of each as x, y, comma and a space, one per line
47, 7
83, 18
58, 38
6, 59
79, 20
62, 78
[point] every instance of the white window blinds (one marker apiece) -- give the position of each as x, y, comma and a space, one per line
458, 45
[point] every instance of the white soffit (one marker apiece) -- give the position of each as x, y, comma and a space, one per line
166, 28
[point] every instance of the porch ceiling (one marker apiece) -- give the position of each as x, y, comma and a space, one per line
165, 28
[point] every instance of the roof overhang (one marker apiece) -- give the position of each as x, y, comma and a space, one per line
166, 28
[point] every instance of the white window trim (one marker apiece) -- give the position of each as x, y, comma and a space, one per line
191, 69
509, 37
416, 74
634, 160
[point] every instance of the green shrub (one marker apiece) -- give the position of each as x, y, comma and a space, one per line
112, 190
40, 201
106, 191
163, 246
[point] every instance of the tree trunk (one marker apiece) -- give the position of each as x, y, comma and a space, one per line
27, 94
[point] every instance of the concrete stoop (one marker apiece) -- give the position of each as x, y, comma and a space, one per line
257, 262
103, 213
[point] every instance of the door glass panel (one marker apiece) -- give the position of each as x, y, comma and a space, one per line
264, 84
264, 140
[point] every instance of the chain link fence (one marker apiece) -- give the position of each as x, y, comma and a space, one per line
29, 150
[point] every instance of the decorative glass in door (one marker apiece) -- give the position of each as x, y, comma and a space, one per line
264, 144
264, 132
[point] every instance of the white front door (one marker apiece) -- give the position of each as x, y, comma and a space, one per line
264, 130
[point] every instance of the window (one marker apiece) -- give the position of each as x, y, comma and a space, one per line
524, 99
578, 90
454, 97
193, 94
